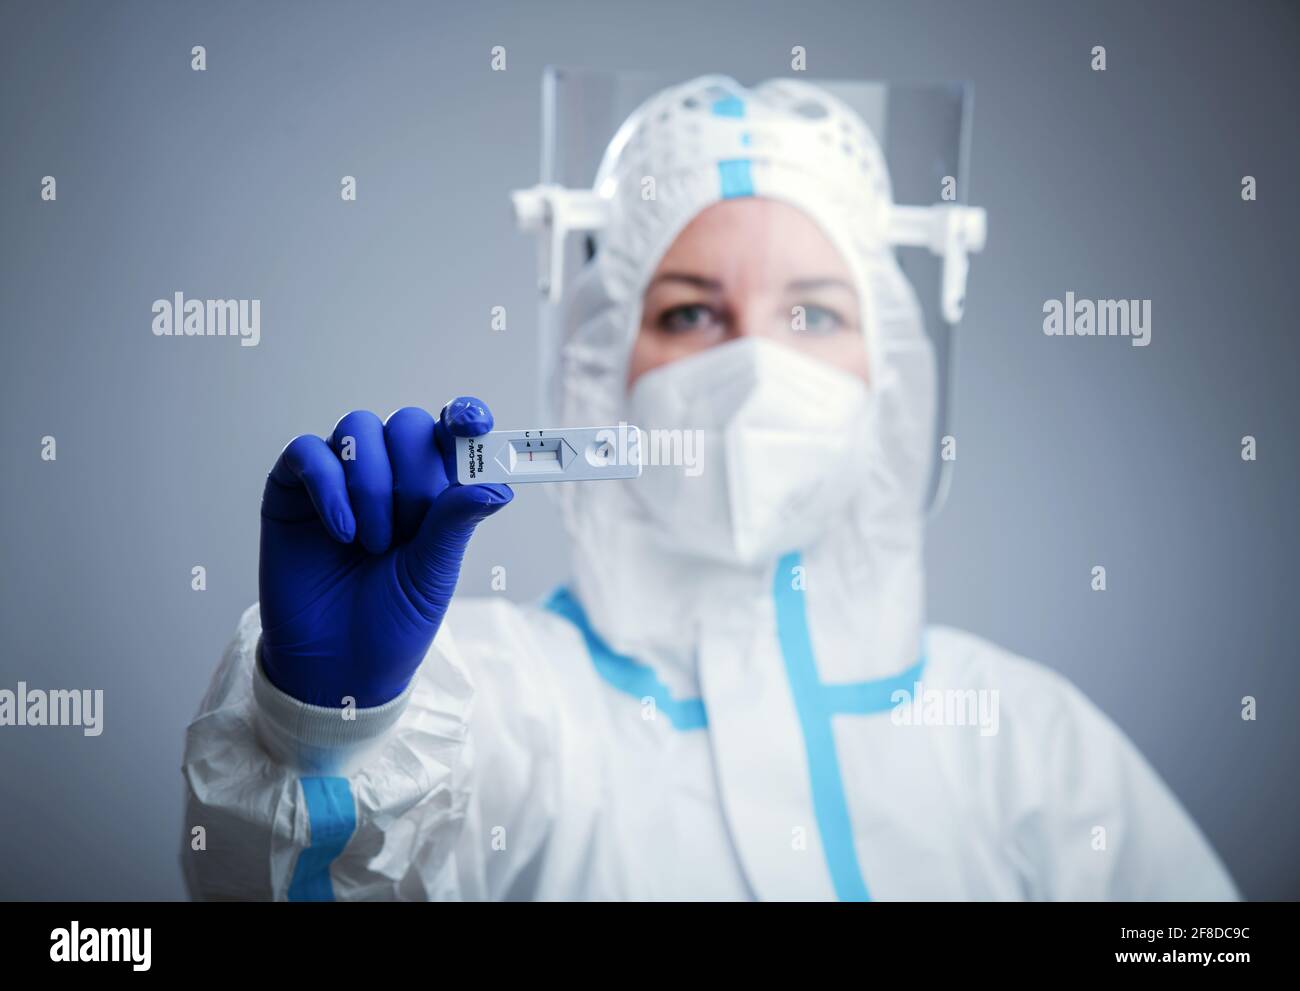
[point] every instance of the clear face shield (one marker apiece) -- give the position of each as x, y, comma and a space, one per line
789, 268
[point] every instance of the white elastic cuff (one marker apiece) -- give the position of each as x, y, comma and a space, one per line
317, 738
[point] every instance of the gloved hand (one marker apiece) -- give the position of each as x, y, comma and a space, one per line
362, 542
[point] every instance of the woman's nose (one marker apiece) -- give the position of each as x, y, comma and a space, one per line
755, 320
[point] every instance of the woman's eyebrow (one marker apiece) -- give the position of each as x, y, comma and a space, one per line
804, 285
699, 281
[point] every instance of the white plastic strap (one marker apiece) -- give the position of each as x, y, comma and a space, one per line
952, 232
551, 212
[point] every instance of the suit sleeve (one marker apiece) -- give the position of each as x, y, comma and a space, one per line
288, 801
1098, 823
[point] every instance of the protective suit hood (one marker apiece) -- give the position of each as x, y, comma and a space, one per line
702, 142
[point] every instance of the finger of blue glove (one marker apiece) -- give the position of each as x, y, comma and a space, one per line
418, 471
307, 466
358, 442
434, 556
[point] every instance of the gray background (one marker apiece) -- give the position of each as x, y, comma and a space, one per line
1072, 452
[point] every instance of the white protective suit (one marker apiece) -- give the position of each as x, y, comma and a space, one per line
675, 726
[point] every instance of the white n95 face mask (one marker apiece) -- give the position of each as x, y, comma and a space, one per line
750, 449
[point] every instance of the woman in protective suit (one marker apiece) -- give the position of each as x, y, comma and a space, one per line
737, 696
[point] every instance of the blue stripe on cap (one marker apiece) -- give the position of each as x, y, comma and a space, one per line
729, 106
735, 178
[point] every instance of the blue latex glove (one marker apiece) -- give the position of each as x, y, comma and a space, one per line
362, 544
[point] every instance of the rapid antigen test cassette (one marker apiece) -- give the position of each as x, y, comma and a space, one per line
579, 454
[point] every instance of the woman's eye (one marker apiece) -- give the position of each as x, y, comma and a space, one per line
683, 319
818, 320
